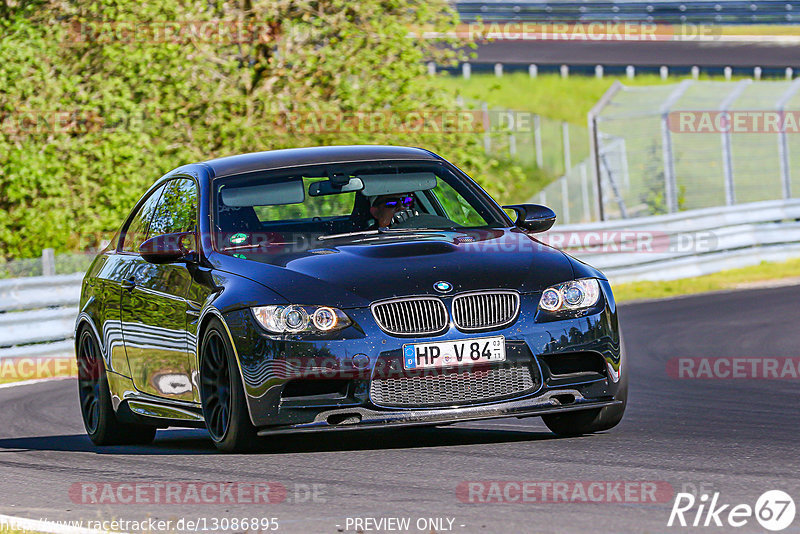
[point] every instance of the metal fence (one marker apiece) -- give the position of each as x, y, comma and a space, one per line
574, 195
684, 146
551, 145
686, 244
48, 264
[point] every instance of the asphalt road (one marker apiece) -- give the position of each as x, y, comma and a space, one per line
737, 437
621, 53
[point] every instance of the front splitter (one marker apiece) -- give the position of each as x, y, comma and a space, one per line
364, 418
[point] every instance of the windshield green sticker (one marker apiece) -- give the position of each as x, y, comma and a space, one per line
238, 238
242, 256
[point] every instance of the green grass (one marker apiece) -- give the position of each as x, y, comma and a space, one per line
697, 156
723, 280
550, 95
17, 371
759, 29
554, 98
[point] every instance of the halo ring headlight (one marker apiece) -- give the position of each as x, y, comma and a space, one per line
551, 299
573, 295
325, 318
295, 318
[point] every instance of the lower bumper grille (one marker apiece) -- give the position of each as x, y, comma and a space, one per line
452, 387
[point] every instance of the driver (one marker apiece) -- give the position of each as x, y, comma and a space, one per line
390, 209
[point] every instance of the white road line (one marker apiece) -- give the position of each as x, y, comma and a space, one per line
34, 381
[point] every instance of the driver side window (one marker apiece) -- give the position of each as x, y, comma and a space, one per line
456, 207
136, 232
177, 209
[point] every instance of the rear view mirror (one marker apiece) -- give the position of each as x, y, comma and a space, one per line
167, 248
533, 217
330, 187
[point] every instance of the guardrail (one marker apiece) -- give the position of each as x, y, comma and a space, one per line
37, 314
725, 11
686, 244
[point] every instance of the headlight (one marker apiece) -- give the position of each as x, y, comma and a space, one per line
572, 295
294, 319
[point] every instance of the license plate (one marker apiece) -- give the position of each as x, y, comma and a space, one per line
454, 353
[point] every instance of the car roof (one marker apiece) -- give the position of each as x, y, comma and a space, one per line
290, 157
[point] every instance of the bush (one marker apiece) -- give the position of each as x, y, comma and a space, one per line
92, 116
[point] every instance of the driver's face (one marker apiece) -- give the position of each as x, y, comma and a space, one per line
384, 207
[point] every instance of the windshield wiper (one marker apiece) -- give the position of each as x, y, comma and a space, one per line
348, 234
380, 231
406, 230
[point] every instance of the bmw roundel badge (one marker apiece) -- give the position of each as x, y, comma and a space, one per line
443, 287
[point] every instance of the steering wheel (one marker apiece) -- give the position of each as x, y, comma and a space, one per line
423, 220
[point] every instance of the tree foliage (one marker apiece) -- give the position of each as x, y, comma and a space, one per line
98, 98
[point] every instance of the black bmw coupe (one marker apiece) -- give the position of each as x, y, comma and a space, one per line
333, 288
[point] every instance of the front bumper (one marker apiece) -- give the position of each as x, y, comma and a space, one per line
363, 418
271, 365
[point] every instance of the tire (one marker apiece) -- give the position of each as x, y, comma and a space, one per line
590, 421
585, 421
222, 395
98, 415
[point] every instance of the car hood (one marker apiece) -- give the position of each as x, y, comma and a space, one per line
350, 273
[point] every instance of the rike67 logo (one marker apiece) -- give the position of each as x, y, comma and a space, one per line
774, 510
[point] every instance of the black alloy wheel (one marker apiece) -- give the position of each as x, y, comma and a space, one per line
99, 418
215, 380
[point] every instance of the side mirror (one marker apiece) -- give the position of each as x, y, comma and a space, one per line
533, 217
168, 248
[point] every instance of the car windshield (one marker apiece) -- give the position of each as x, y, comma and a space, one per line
319, 205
